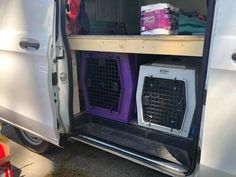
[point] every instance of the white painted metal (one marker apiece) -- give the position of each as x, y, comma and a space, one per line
210, 172
25, 82
171, 72
219, 134
63, 79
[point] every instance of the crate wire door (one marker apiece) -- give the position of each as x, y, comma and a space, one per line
104, 84
164, 102
166, 98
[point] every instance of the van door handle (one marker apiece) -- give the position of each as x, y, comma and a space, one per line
28, 44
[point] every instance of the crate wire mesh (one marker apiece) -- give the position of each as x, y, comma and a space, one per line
104, 84
166, 98
108, 84
164, 102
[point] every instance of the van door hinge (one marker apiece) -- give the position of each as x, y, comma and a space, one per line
54, 79
60, 53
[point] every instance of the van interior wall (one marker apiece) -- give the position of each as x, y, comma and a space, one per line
128, 11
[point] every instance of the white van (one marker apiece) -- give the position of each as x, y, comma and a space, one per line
40, 79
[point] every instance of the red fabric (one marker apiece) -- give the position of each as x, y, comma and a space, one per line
202, 17
72, 15
6, 166
2, 153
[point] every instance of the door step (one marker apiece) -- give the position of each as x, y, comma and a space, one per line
160, 165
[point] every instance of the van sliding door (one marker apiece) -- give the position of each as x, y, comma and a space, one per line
26, 52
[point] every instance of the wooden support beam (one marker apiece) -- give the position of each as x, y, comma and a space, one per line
159, 45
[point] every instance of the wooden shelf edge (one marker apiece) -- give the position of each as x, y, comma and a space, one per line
159, 45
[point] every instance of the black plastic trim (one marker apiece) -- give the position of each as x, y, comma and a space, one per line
205, 97
202, 83
57, 19
54, 79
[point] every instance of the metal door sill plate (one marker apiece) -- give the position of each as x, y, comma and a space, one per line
162, 166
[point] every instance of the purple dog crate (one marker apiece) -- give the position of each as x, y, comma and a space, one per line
108, 84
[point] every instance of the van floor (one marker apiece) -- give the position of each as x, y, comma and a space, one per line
144, 141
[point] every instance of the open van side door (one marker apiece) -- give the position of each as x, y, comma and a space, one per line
27, 50
219, 134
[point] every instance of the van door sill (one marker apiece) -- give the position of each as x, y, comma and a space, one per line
162, 166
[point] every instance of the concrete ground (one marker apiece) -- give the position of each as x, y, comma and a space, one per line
76, 159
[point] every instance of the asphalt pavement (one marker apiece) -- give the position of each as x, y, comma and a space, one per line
75, 159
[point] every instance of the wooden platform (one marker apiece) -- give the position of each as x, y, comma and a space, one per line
159, 45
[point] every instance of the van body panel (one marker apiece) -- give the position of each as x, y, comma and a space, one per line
210, 172
26, 51
219, 142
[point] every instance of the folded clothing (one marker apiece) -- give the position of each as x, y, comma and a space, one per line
191, 25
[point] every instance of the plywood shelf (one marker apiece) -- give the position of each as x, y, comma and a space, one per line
159, 45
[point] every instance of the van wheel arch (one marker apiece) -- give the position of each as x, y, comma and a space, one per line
33, 143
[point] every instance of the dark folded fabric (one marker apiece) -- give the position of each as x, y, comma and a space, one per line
191, 25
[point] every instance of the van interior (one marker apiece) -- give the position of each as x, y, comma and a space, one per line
144, 105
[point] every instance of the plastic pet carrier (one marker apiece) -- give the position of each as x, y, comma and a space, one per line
166, 98
108, 85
